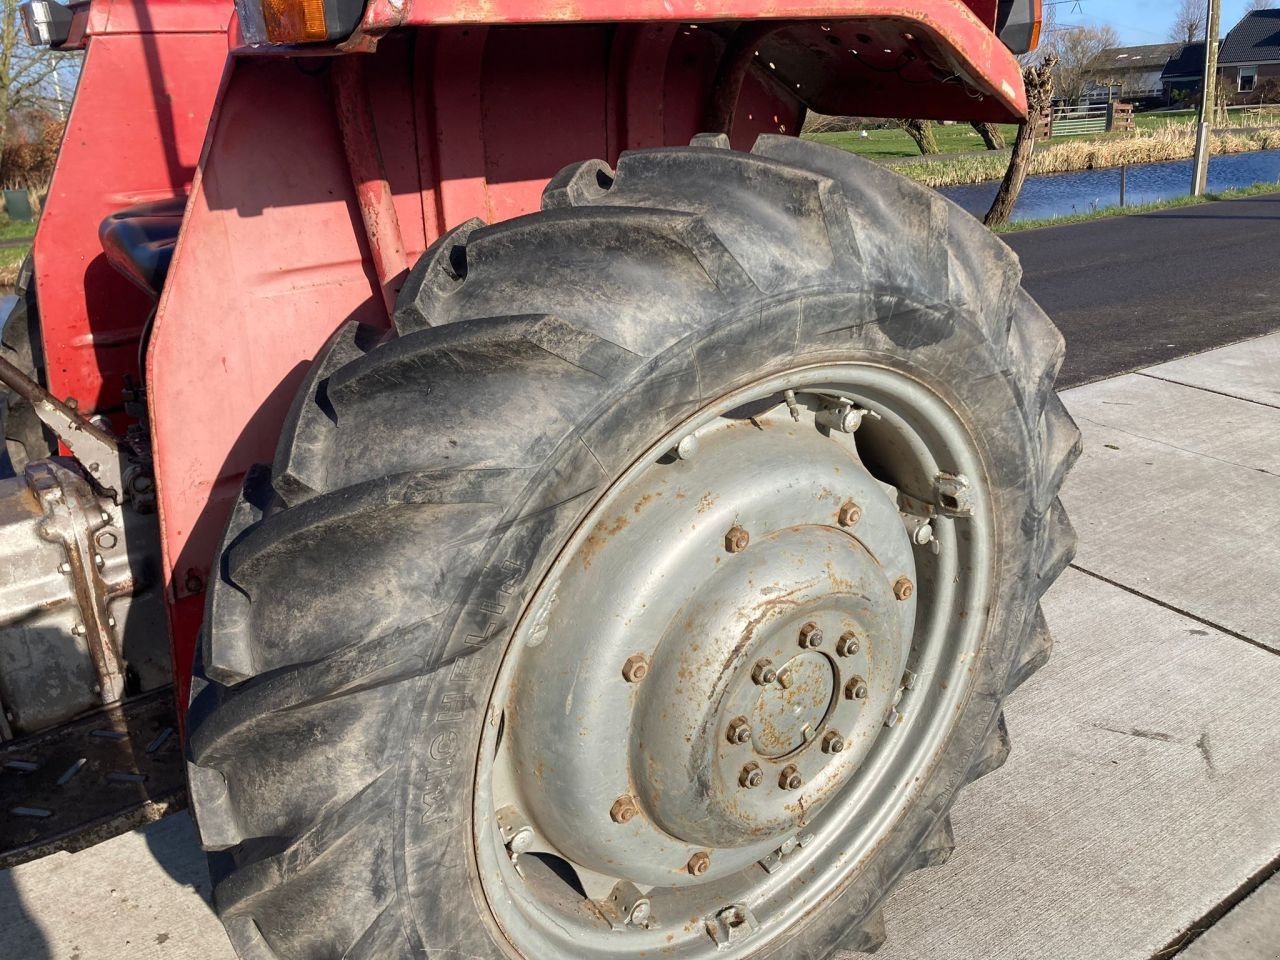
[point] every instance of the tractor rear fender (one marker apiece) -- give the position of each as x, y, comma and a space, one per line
324, 178
850, 58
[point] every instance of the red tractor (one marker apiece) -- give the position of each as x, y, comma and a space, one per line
573, 516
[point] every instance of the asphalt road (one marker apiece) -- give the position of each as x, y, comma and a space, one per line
1128, 292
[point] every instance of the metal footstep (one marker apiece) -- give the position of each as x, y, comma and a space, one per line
89, 780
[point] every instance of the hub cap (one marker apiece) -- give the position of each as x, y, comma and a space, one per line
715, 671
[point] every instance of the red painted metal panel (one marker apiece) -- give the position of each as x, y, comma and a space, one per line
134, 134
963, 37
158, 16
271, 259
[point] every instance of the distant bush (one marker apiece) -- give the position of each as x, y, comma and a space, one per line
30, 150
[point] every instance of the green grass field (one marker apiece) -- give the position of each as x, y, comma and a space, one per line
16, 229
961, 138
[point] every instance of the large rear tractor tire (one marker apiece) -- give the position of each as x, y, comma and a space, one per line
651, 590
25, 437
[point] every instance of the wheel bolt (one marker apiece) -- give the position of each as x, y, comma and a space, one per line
624, 809
848, 646
790, 778
736, 540
810, 636
699, 863
739, 730
855, 689
903, 588
832, 742
751, 776
849, 514
764, 673
636, 668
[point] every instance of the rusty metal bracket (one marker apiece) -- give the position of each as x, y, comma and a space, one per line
72, 518
90, 444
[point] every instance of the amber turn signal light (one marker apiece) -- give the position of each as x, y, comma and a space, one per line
298, 21
294, 21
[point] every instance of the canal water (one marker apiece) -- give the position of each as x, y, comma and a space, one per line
1062, 194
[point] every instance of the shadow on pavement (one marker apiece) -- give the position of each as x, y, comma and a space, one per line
176, 848
21, 938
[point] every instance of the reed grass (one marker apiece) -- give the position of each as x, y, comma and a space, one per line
1172, 142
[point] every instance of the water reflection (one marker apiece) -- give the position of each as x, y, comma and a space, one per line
1062, 194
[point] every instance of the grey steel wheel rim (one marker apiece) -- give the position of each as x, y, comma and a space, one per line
644, 783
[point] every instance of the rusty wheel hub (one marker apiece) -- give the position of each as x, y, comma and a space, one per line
714, 671
659, 576
703, 714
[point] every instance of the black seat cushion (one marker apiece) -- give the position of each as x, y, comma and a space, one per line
139, 240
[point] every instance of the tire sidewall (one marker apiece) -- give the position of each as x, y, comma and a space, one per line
946, 350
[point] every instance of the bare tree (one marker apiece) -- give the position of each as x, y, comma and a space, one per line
990, 135
1039, 83
921, 131
1188, 22
1076, 50
1254, 5
32, 79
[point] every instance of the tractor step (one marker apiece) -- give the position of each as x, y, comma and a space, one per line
90, 779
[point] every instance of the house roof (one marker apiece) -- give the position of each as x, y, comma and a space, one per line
1188, 63
1152, 56
1255, 39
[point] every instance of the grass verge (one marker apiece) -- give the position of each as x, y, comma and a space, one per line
1106, 213
10, 263
16, 229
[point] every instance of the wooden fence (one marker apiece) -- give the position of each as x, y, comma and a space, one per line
1081, 119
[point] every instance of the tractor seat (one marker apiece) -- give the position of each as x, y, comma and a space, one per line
139, 240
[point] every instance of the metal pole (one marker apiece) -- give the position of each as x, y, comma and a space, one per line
1208, 100
1124, 176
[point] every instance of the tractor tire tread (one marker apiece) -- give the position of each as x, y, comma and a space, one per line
329, 671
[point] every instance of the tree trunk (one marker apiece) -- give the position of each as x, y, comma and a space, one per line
990, 135
1024, 145
921, 132
1039, 84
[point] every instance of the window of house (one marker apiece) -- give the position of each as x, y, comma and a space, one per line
1248, 76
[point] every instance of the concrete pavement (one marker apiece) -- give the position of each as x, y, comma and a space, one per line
1138, 806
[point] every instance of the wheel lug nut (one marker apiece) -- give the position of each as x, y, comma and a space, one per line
624, 809
636, 668
848, 646
855, 689
903, 588
736, 540
832, 742
751, 776
764, 673
810, 636
739, 730
850, 513
790, 778
699, 863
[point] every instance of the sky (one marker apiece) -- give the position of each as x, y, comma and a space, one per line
1139, 21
